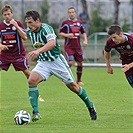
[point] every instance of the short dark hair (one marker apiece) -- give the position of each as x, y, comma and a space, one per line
72, 8
34, 14
114, 29
6, 7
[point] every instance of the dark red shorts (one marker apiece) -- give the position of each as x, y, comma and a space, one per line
74, 54
20, 63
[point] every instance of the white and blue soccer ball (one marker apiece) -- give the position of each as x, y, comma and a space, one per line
22, 117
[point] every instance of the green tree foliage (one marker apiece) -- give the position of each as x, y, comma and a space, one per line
1, 18
98, 24
44, 11
126, 26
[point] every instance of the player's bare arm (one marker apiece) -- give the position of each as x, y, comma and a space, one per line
126, 67
21, 32
48, 46
85, 41
107, 59
70, 35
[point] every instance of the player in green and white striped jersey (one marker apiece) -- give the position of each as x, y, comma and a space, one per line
50, 62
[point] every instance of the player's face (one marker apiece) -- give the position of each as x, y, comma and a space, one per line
34, 26
7, 15
72, 14
117, 38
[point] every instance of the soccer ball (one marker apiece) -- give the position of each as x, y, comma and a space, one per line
22, 117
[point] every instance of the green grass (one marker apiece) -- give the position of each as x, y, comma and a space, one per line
63, 111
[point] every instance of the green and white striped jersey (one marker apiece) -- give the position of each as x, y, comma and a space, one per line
40, 38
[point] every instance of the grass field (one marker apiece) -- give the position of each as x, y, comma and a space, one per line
63, 111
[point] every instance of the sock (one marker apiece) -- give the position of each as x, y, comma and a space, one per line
83, 95
79, 73
33, 96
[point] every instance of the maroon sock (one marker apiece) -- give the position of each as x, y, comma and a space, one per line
79, 73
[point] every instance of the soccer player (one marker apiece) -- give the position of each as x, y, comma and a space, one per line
123, 43
71, 29
11, 46
50, 62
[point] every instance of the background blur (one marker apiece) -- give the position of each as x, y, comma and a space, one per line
102, 13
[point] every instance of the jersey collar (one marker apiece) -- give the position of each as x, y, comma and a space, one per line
6, 23
71, 20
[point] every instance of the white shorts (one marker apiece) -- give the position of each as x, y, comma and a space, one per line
59, 68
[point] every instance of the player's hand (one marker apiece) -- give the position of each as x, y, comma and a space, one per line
110, 70
13, 22
33, 54
85, 43
70, 35
126, 67
3, 47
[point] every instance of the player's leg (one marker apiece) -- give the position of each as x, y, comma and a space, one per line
63, 72
33, 92
80, 91
26, 73
38, 74
79, 59
79, 73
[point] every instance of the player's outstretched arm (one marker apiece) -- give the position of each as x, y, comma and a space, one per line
107, 60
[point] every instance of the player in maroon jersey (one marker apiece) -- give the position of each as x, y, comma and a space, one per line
123, 43
72, 29
12, 49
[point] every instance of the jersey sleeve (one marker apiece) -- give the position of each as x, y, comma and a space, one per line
50, 34
82, 29
108, 46
63, 28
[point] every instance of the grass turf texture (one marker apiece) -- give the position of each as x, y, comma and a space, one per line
63, 111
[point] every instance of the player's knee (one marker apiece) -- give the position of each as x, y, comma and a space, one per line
74, 87
31, 82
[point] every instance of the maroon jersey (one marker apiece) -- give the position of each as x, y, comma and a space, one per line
10, 36
75, 27
125, 49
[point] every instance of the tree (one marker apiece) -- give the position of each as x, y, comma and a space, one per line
98, 24
116, 12
1, 14
44, 11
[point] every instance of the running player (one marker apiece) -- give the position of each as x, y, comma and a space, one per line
71, 29
123, 43
50, 62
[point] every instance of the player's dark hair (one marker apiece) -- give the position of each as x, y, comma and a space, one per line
114, 29
34, 14
5, 8
71, 8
